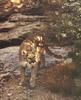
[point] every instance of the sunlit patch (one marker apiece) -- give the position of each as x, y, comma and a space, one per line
17, 3
40, 44
8, 6
37, 55
39, 38
31, 55
33, 44
68, 61
27, 43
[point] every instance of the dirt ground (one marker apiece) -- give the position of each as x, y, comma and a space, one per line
48, 82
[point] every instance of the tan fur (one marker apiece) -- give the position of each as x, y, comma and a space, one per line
24, 54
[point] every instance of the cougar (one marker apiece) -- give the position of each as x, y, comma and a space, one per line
31, 56
30, 53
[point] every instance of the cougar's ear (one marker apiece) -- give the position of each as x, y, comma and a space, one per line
24, 52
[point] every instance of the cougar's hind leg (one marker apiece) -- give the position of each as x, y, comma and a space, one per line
33, 76
22, 72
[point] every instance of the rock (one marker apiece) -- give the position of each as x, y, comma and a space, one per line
7, 25
20, 31
19, 17
6, 75
9, 56
12, 34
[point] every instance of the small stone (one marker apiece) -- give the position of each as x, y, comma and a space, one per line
9, 94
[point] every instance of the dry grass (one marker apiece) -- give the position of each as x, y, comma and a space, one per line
58, 78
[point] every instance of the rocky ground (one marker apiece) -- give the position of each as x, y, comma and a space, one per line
53, 82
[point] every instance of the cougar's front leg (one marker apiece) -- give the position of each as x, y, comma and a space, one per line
22, 72
33, 75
